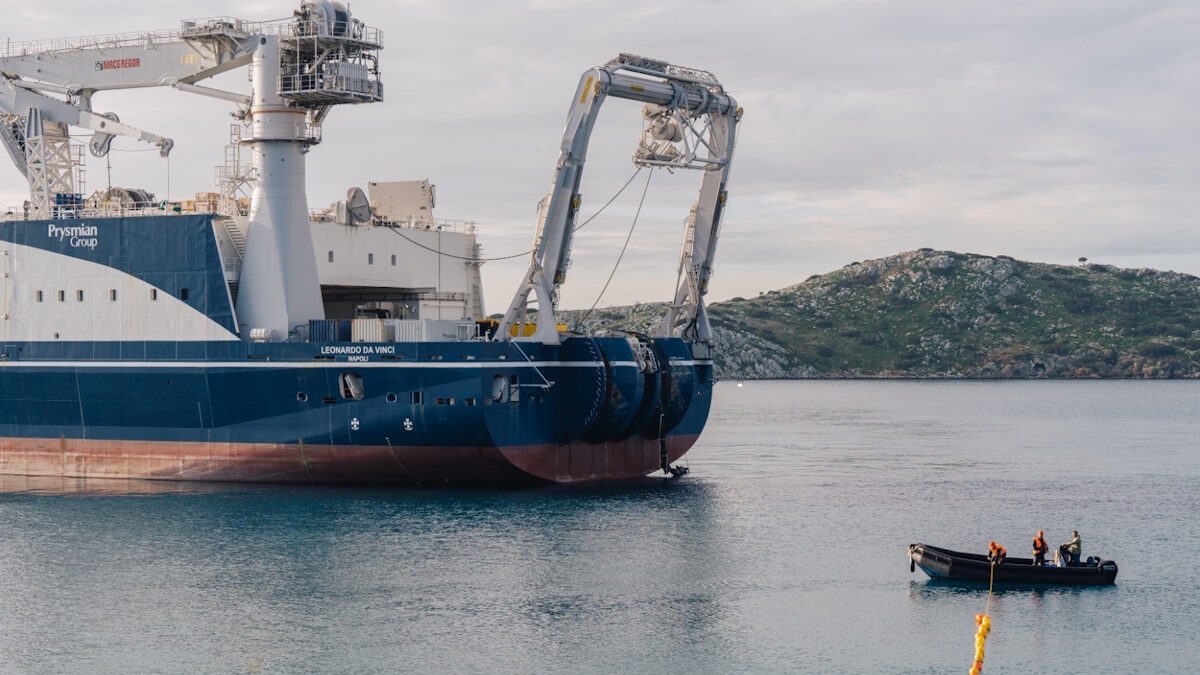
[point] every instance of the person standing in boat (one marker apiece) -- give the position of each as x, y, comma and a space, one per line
996, 553
1039, 549
1071, 549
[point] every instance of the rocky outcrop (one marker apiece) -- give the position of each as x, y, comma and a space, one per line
930, 313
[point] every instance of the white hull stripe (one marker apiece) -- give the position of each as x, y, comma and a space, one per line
465, 365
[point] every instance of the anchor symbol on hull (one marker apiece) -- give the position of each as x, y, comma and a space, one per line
408, 424
354, 424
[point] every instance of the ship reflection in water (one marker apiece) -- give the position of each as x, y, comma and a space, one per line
101, 487
227, 577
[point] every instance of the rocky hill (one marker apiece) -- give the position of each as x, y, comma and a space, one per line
930, 313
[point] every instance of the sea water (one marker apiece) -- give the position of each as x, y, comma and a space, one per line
785, 550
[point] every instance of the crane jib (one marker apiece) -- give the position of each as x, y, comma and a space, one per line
690, 124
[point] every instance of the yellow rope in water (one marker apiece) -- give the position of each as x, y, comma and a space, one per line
984, 621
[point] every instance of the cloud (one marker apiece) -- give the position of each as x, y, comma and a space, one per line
1045, 130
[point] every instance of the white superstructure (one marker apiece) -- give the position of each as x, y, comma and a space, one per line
404, 268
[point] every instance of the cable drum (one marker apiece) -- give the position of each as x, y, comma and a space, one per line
580, 392
677, 385
625, 398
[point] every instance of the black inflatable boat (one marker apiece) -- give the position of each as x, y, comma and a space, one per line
940, 563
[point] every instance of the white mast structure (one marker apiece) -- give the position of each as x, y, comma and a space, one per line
300, 67
691, 123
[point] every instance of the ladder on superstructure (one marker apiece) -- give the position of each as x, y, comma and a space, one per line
12, 135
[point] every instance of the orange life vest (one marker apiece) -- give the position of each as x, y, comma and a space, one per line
1039, 545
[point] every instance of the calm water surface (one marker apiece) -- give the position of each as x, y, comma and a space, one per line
784, 550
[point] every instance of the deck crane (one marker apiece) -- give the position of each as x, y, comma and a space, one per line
300, 67
690, 123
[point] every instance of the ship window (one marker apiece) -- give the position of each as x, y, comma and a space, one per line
183, 294
499, 388
370, 258
352, 386
153, 293
301, 396
417, 398
440, 401
331, 256
79, 296
62, 296
514, 389
39, 296
393, 260
468, 401
391, 398
112, 294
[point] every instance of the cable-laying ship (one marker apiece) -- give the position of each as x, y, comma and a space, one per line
241, 337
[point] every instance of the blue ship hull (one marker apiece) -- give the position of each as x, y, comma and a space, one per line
221, 408
429, 413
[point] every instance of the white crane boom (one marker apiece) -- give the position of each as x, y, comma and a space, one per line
77, 68
691, 124
154, 59
19, 98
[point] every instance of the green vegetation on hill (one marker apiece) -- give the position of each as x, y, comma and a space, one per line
930, 313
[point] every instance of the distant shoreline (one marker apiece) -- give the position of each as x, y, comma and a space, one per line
941, 315
956, 378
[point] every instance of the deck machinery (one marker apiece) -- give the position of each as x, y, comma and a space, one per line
264, 385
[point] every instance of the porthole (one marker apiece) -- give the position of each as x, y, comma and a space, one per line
301, 396
391, 398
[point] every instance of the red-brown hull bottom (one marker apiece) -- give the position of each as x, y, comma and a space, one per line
292, 463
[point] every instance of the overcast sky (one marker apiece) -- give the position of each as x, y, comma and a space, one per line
1043, 130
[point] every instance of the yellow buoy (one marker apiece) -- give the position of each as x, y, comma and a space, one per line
984, 621
985, 626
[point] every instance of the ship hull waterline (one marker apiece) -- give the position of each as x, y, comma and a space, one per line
330, 464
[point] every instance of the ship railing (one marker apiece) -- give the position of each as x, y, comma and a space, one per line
440, 224
174, 208
373, 329
111, 41
352, 31
17, 213
433, 224
330, 88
